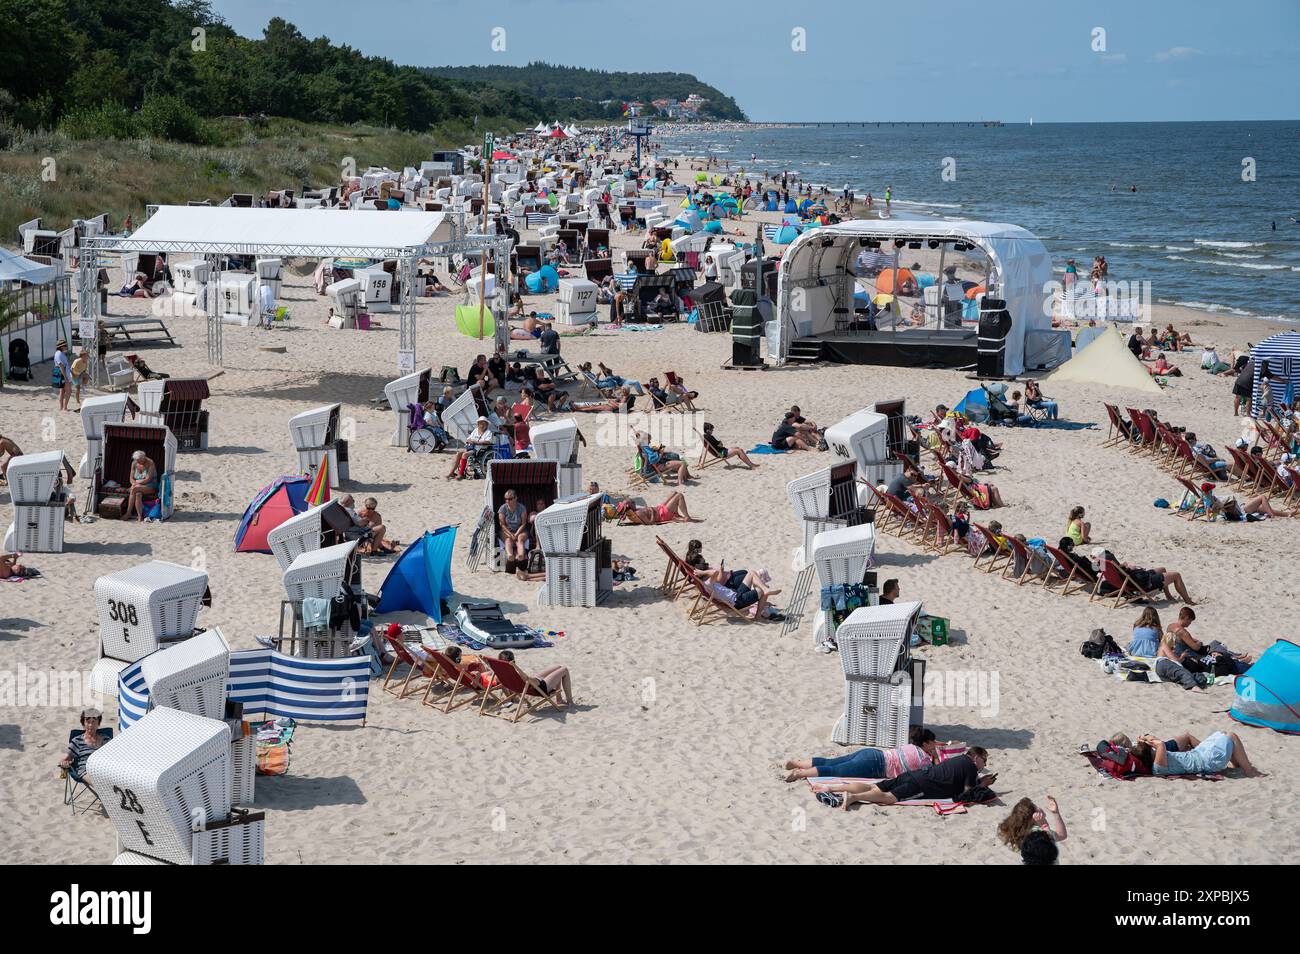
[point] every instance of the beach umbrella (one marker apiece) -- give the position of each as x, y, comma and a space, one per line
886, 281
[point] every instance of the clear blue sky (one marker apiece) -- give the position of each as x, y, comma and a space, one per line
866, 59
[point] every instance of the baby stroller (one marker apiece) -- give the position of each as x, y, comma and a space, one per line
20, 365
999, 411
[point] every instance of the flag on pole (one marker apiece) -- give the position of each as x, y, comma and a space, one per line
319, 491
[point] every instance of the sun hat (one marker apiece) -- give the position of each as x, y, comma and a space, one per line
1206, 488
481, 420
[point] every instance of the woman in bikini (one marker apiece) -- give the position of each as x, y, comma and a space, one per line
672, 510
144, 483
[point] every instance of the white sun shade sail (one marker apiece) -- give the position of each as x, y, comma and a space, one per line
250, 231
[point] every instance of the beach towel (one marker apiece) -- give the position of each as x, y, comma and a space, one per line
1099, 765
768, 449
450, 632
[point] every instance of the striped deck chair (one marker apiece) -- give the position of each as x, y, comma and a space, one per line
512, 686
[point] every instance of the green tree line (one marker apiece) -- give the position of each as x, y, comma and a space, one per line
124, 68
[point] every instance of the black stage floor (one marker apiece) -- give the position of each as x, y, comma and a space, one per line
907, 349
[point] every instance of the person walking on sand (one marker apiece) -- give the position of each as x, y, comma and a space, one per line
889, 199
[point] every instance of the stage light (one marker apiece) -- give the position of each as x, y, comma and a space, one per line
827, 242
899, 243
934, 243
913, 245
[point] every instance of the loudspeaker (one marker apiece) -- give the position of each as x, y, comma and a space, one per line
995, 324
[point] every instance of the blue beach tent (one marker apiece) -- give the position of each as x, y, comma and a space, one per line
421, 578
1268, 694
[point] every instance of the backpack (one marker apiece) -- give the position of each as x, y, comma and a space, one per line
1098, 644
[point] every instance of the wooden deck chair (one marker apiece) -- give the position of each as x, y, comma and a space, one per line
677, 573
1020, 551
938, 533
885, 515
1275, 442
512, 686
910, 522
414, 669
1167, 448
641, 474
1118, 432
707, 606
1001, 555
1146, 432
453, 677
675, 381
1067, 571
960, 490
1293, 495
708, 457
1244, 471
1125, 589
1192, 506
1267, 479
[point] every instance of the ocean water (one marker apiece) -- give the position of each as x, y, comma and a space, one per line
1200, 233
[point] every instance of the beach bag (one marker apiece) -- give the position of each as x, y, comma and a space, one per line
56, 377
1098, 644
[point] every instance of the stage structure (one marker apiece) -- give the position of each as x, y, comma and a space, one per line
1003, 321
215, 232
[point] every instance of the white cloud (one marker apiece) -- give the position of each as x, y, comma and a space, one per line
1175, 53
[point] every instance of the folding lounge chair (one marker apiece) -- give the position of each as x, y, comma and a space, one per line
414, 668
1067, 571
1020, 552
909, 522
1002, 553
1267, 478
677, 574
1245, 474
1191, 506
1125, 588
77, 792
1119, 430
512, 685
452, 676
1146, 431
936, 533
708, 606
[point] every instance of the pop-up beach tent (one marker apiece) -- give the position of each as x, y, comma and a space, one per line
421, 578
274, 504
1106, 360
1268, 694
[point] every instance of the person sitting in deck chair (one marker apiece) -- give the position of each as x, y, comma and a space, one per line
715, 448
82, 746
1034, 398
742, 589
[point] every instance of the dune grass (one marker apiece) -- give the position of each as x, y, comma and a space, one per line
122, 176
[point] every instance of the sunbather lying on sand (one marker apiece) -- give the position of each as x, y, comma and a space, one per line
919, 751
672, 510
1195, 757
9, 566
952, 778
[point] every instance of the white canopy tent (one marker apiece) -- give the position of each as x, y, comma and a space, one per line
15, 268
820, 262
249, 231
405, 235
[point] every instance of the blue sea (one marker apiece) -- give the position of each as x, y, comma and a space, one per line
1202, 235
